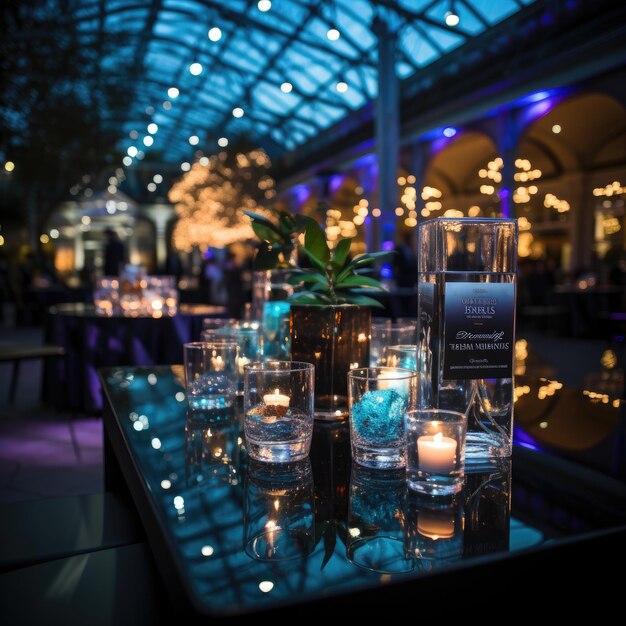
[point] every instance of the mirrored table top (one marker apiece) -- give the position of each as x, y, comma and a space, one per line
245, 536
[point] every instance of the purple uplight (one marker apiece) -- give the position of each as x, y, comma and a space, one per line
336, 180
504, 193
303, 193
387, 246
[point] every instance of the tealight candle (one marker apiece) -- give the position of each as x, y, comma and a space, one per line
383, 377
276, 399
242, 361
217, 363
435, 524
436, 453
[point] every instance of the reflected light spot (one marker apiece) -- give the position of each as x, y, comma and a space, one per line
9, 166
354, 532
333, 34
342, 87
222, 142
173, 92
127, 161
179, 502
207, 550
543, 425
195, 69
156, 443
180, 396
166, 484
266, 586
237, 112
286, 87
215, 34
152, 379
138, 425
152, 129
194, 140
264, 5
556, 129
132, 151
157, 178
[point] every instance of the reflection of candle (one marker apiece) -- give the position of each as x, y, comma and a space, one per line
241, 362
271, 528
436, 524
217, 363
436, 454
276, 399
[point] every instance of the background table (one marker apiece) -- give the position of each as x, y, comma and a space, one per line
92, 341
190, 480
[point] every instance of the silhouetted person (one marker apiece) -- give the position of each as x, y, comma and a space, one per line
405, 263
114, 253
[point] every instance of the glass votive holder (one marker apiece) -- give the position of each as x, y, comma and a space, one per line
403, 355
209, 323
376, 519
279, 511
379, 397
247, 339
435, 451
211, 375
434, 530
384, 334
278, 409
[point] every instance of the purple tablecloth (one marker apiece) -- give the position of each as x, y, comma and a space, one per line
91, 342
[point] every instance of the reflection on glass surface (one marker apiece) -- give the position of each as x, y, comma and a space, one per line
212, 448
487, 510
351, 531
434, 530
376, 520
278, 519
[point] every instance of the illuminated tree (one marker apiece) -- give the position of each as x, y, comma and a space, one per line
210, 199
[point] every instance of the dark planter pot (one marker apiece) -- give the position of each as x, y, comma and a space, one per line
334, 338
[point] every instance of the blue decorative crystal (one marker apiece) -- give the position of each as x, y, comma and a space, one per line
276, 329
378, 416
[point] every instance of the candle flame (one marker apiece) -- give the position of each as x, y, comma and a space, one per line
437, 438
276, 504
276, 392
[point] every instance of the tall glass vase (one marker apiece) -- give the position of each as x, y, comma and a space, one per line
466, 327
270, 291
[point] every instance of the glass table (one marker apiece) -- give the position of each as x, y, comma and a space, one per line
232, 537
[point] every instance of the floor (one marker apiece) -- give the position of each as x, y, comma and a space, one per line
45, 453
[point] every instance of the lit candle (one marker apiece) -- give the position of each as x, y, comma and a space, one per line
217, 363
276, 399
383, 377
436, 453
242, 361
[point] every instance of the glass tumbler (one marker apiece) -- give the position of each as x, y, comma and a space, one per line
278, 408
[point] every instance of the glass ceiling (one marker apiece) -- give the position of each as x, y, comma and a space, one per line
278, 73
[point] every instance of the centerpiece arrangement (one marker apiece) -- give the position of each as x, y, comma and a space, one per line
330, 314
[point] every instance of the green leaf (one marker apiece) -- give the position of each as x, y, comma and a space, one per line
341, 253
266, 258
307, 299
265, 233
316, 262
360, 281
363, 300
256, 218
301, 221
286, 222
315, 241
361, 261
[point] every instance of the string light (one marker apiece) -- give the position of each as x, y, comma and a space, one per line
556, 129
194, 140
132, 151
215, 34
342, 87
222, 142
148, 141
127, 161
157, 178
237, 112
264, 5
332, 34
152, 128
195, 69
286, 87
173, 92
9, 166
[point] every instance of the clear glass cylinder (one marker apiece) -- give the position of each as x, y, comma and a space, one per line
379, 398
278, 405
466, 327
